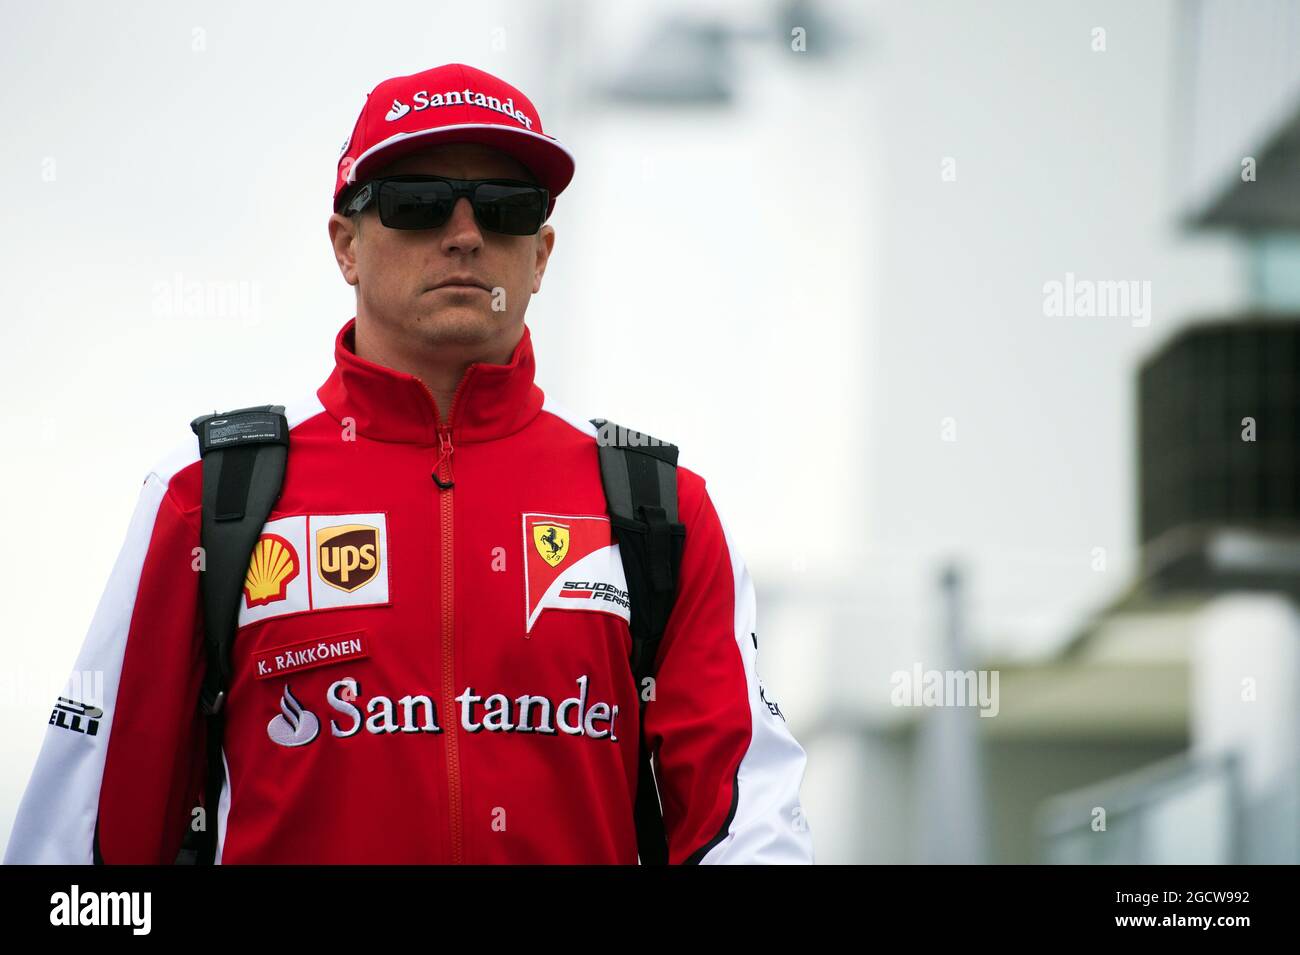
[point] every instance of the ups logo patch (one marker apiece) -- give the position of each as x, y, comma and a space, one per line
347, 556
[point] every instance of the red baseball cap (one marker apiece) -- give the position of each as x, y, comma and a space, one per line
453, 103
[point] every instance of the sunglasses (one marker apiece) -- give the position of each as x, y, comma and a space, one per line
426, 202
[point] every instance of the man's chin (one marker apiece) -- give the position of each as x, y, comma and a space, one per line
457, 324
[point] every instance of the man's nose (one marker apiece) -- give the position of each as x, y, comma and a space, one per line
462, 232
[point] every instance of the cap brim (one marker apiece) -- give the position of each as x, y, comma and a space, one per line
550, 163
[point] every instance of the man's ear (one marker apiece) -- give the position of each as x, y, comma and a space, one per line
344, 234
545, 243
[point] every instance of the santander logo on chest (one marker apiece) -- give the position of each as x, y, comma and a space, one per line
571, 562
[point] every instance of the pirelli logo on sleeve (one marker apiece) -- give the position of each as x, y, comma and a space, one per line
316, 562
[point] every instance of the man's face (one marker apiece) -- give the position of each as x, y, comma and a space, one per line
401, 275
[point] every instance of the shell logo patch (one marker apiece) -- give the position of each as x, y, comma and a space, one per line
571, 562
347, 567
273, 565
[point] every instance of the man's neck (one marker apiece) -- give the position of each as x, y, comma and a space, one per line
441, 368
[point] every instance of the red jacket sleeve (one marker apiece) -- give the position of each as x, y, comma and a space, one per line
120, 764
727, 767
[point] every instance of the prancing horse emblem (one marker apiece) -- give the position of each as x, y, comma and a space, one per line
551, 541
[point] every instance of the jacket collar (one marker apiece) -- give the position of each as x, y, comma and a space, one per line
491, 401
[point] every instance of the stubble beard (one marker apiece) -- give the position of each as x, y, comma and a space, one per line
455, 325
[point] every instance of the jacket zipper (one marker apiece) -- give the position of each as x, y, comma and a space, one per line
443, 478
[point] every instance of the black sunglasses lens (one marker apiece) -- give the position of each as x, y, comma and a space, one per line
414, 205
512, 210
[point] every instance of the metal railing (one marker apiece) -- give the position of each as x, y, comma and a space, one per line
1186, 809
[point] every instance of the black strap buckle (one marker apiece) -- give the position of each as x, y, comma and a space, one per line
212, 705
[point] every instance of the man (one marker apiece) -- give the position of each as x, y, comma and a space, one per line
431, 661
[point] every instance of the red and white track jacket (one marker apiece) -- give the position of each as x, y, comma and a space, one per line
420, 675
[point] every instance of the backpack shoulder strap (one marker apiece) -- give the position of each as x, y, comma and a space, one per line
243, 454
639, 474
